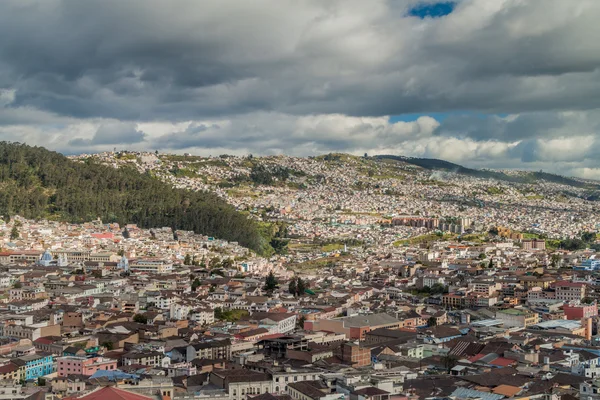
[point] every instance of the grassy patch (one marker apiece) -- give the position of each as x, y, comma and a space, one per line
430, 237
534, 197
317, 264
473, 238
332, 247
494, 190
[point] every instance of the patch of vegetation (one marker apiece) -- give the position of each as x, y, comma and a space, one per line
184, 172
180, 158
494, 190
430, 237
332, 247
230, 315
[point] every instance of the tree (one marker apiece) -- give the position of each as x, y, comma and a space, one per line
449, 362
432, 321
227, 263
187, 260
438, 288
195, 284
292, 288
555, 260
588, 237
126, 234
482, 256
491, 264
14, 233
271, 282
108, 345
140, 319
218, 272
17, 285
301, 287
301, 321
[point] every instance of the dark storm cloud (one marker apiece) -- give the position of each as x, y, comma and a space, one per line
110, 134
272, 76
145, 60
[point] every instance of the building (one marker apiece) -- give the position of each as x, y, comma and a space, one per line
275, 322
36, 365
354, 327
151, 266
239, 383
111, 393
534, 244
580, 311
517, 318
209, 350
83, 366
591, 264
202, 316
310, 390
355, 355
11, 372
569, 291
148, 358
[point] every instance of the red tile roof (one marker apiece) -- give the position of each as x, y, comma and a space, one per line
502, 362
111, 393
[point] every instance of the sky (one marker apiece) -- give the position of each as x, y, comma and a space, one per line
508, 84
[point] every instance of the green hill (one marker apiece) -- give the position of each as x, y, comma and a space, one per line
38, 183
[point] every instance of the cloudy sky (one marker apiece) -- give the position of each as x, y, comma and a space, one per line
485, 83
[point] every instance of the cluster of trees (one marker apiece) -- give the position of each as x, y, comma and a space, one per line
585, 240
297, 286
437, 288
350, 242
38, 183
140, 318
279, 241
267, 174
271, 282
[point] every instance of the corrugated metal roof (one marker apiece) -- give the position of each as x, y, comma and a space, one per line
464, 393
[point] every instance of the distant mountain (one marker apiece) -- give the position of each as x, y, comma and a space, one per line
38, 183
522, 177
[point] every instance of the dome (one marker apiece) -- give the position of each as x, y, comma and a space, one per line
47, 256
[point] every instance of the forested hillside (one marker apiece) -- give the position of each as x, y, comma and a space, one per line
38, 183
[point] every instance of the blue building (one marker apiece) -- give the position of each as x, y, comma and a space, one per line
123, 264
36, 365
47, 260
590, 264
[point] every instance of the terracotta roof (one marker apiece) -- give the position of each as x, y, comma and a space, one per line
111, 393
502, 362
506, 390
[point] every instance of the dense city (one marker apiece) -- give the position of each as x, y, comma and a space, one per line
383, 280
